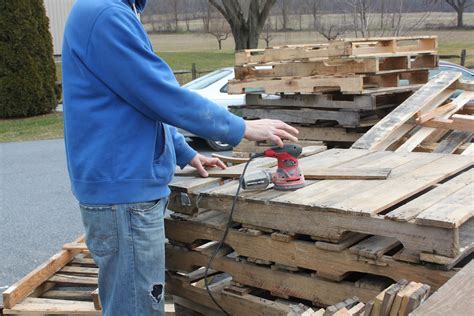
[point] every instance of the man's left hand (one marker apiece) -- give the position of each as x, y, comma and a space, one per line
201, 162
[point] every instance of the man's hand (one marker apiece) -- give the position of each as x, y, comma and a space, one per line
201, 162
271, 130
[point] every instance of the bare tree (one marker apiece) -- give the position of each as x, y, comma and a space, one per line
314, 7
175, 14
220, 30
459, 6
330, 32
267, 33
284, 14
205, 13
364, 13
246, 19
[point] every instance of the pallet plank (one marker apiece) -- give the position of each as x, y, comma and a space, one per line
452, 211
35, 306
393, 191
411, 209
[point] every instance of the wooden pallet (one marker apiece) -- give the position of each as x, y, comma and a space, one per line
368, 65
356, 253
64, 284
368, 102
329, 208
428, 118
280, 283
341, 48
348, 84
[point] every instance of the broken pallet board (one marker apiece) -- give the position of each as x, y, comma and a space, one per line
426, 98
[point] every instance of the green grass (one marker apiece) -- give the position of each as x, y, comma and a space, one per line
454, 48
47, 126
204, 60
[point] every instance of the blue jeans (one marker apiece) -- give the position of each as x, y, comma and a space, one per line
127, 243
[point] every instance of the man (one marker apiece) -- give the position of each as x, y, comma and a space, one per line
121, 102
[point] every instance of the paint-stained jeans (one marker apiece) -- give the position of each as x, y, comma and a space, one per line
127, 243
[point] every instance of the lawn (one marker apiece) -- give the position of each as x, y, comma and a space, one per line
47, 126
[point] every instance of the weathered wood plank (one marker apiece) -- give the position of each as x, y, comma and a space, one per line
355, 47
68, 295
454, 140
411, 209
73, 279
358, 102
393, 191
457, 122
314, 84
452, 211
329, 192
233, 304
454, 298
317, 174
302, 116
424, 99
35, 306
374, 247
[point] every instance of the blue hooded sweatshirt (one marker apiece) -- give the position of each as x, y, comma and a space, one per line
121, 103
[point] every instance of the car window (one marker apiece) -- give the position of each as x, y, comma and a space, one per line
224, 88
207, 80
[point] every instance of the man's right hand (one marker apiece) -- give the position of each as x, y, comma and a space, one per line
271, 130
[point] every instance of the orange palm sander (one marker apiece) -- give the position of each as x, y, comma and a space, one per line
288, 175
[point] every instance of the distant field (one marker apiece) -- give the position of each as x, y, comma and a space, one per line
201, 48
451, 41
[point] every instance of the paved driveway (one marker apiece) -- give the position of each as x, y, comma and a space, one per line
38, 213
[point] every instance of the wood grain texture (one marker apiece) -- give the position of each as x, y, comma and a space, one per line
454, 298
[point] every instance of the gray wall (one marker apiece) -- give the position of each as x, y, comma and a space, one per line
57, 12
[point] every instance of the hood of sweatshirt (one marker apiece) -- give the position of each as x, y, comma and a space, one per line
139, 4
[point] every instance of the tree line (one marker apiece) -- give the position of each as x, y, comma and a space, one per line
251, 20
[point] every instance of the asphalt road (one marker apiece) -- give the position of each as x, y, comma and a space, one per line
38, 212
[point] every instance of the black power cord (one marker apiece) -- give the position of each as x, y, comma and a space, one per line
224, 236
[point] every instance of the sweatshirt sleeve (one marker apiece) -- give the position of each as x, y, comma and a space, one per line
184, 152
120, 55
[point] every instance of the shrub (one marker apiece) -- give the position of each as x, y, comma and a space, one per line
27, 70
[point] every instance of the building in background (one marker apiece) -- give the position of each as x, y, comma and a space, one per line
57, 12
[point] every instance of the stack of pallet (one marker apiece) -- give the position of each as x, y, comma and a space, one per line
331, 240
332, 92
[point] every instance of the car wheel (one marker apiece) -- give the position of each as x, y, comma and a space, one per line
218, 146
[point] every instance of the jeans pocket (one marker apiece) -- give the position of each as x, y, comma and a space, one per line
100, 223
144, 206
147, 214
